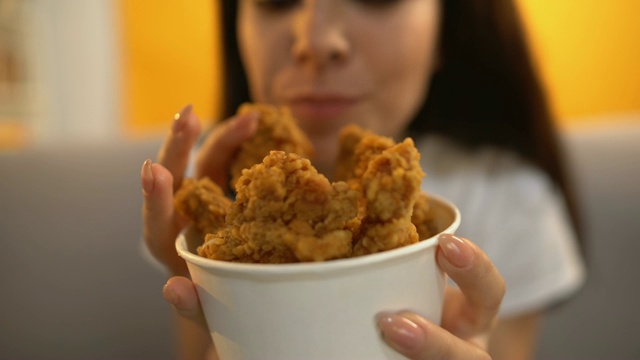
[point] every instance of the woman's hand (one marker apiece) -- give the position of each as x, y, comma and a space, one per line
469, 313
193, 339
161, 223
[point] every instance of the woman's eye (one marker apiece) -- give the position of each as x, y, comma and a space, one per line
276, 4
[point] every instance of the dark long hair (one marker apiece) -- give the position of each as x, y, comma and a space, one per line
486, 90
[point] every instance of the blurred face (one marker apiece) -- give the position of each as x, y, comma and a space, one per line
335, 62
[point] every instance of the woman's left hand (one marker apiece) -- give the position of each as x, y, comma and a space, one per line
469, 313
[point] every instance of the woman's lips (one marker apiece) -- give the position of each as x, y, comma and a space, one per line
321, 107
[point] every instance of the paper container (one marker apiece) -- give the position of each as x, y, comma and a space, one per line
317, 310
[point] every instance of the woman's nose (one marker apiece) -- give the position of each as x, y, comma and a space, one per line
319, 33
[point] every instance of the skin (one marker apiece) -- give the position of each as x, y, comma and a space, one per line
333, 62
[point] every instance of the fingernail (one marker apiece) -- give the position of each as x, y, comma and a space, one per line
147, 177
179, 119
170, 294
456, 250
400, 332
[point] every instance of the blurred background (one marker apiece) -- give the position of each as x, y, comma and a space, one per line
89, 87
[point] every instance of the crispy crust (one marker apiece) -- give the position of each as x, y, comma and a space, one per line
285, 211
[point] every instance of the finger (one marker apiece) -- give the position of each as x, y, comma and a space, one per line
219, 148
160, 227
174, 154
194, 338
181, 293
482, 287
417, 338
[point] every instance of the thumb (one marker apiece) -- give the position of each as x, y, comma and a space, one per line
182, 295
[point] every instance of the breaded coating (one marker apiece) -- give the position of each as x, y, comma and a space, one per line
357, 149
423, 217
285, 211
350, 136
202, 202
390, 184
277, 130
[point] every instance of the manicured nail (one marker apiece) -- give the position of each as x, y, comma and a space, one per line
400, 332
147, 177
179, 119
170, 294
456, 250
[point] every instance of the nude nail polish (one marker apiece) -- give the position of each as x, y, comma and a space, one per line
170, 294
147, 177
456, 250
400, 332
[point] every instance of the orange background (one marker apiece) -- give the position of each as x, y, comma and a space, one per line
168, 60
588, 53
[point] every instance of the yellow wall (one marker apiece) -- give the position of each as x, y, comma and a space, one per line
169, 60
589, 55
588, 52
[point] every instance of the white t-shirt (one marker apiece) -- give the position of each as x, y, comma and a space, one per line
515, 214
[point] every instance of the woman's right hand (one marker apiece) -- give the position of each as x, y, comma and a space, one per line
161, 223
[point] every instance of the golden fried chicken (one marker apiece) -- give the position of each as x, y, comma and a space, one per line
357, 149
390, 185
277, 130
202, 202
423, 217
285, 211
350, 136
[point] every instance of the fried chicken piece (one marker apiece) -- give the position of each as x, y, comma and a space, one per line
285, 211
357, 149
423, 217
391, 185
349, 138
277, 130
204, 203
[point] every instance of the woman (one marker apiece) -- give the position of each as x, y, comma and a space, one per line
453, 74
